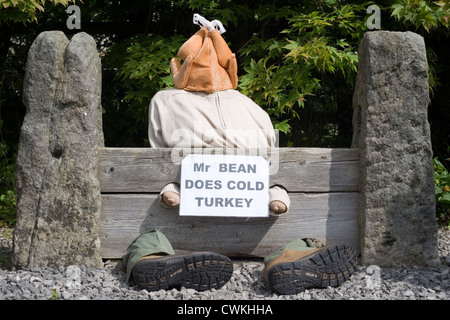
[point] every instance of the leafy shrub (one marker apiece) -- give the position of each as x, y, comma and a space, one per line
137, 68
442, 191
426, 14
8, 208
303, 75
283, 73
7, 185
24, 10
146, 69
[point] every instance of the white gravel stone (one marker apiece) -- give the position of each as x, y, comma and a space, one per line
108, 283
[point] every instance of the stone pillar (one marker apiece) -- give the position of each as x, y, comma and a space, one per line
391, 130
58, 193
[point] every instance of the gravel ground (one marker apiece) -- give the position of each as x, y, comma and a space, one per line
108, 283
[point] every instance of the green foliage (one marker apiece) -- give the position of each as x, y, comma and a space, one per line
285, 72
137, 68
428, 16
24, 10
7, 186
442, 191
146, 69
8, 207
423, 13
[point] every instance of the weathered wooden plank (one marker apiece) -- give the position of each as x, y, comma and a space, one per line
330, 217
141, 170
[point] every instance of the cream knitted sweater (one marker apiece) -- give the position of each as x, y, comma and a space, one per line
222, 119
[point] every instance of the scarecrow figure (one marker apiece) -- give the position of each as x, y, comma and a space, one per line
205, 110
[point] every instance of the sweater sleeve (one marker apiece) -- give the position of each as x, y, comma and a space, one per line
172, 186
278, 193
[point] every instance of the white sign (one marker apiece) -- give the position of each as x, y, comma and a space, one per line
224, 185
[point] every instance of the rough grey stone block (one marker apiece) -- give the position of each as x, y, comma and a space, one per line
397, 206
58, 193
